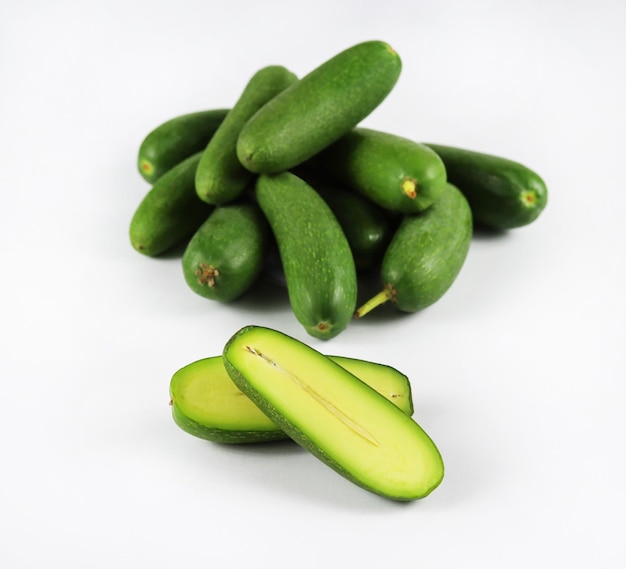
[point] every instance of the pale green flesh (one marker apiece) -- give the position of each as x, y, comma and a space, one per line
204, 393
342, 420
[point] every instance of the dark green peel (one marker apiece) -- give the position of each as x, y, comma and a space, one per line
226, 254
317, 110
315, 254
220, 177
396, 173
502, 194
176, 140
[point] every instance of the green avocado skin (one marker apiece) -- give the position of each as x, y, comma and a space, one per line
427, 252
315, 255
502, 194
365, 225
170, 212
175, 140
220, 177
225, 256
383, 167
321, 107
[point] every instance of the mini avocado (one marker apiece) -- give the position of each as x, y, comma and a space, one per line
315, 254
397, 173
425, 255
317, 110
225, 256
175, 140
170, 212
502, 194
220, 177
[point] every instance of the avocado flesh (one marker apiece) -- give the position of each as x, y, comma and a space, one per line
207, 404
204, 393
340, 419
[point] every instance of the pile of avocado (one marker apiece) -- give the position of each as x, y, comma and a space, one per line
289, 171
288, 168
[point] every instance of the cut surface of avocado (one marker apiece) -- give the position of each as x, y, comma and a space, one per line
207, 404
337, 417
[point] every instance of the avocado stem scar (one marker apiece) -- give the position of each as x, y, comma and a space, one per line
529, 197
206, 275
325, 403
409, 187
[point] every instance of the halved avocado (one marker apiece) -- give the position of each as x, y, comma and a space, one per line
207, 404
338, 418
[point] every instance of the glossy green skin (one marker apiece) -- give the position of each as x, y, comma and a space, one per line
221, 178
383, 167
225, 256
315, 254
175, 140
211, 373
276, 412
170, 212
320, 108
366, 227
502, 194
427, 252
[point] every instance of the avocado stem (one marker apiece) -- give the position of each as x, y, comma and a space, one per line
383, 296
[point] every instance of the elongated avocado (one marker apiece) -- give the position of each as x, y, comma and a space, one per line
175, 140
220, 177
170, 212
315, 254
321, 107
207, 404
425, 255
337, 417
394, 172
502, 194
225, 255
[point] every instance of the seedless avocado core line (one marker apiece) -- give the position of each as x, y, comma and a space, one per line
349, 422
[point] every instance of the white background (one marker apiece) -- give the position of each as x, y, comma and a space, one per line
518, 373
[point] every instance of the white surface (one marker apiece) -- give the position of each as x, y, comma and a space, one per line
518, 372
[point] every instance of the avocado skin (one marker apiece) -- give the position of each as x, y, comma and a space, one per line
315, 255
367, 227
497, 189
220, 177
428, 251
321, 107
377, 164
226, 254
170, 212
175, 140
